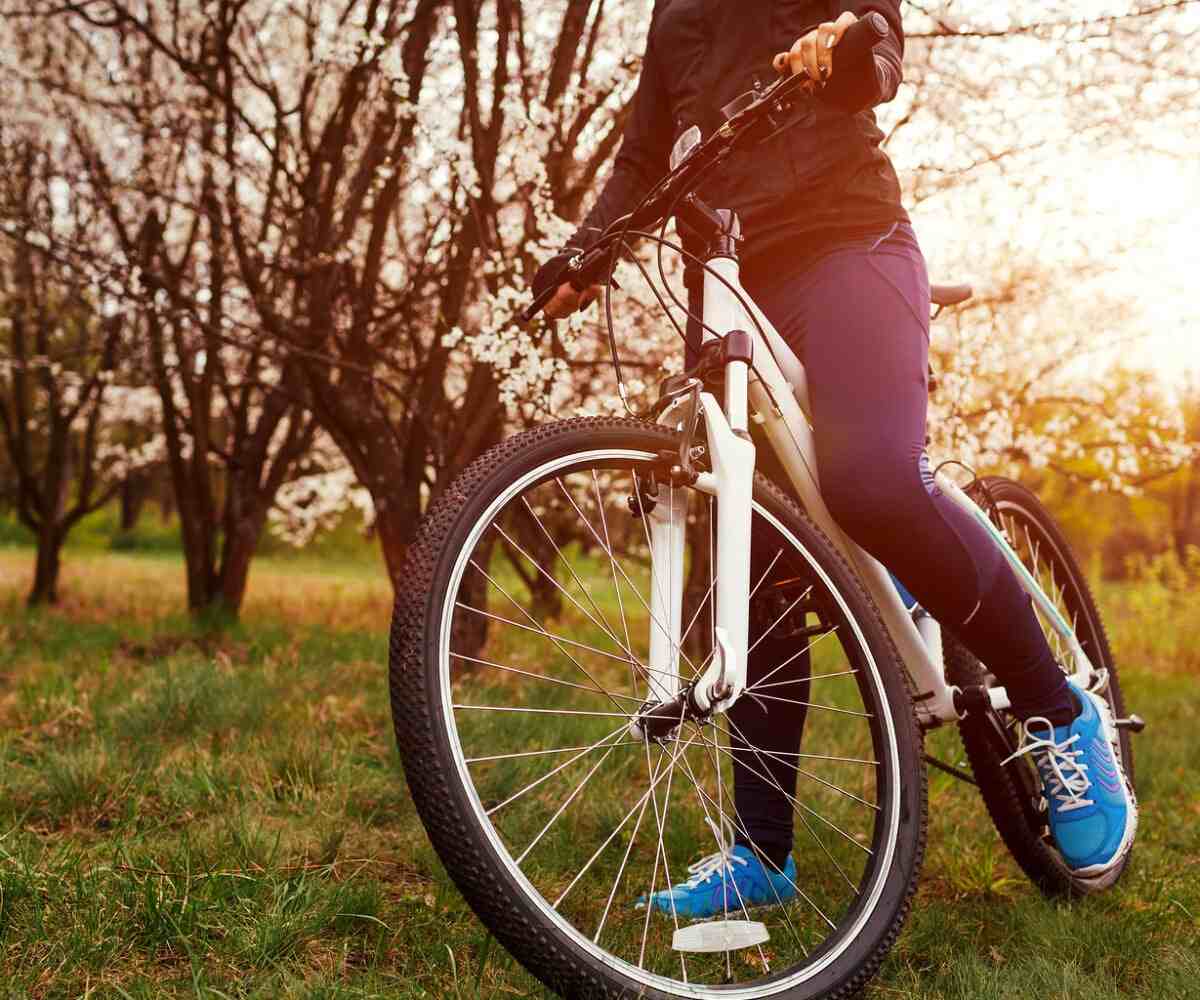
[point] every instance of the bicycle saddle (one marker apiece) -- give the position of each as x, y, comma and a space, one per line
949, 295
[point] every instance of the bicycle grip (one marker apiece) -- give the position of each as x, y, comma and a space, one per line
538, 303
857, 41
862, 36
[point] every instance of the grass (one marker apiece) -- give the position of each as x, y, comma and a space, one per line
189, 815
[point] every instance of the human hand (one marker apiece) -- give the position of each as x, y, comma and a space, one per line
812, 53
566, 300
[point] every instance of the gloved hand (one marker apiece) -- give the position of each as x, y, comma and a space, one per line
566, 300
551, 272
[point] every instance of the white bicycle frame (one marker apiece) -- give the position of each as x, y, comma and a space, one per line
775, 395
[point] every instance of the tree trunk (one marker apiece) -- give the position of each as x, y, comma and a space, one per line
134, 491
165, 495
395, 533
240, 547
45, 579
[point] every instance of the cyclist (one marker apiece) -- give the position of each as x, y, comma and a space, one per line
831, 258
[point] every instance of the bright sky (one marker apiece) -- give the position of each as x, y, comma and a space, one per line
1162, 274
1139, 220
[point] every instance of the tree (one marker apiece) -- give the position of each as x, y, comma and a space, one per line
346, 199
370, 171
72, 423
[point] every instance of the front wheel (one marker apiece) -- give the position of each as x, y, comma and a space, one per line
1012, 792
552, 819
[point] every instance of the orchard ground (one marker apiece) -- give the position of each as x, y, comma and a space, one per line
194, 814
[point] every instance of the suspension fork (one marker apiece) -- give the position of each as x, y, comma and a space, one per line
731, 482
667, 527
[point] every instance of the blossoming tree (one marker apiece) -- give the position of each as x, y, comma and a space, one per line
73, 415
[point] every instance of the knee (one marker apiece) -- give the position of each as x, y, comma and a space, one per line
868, 494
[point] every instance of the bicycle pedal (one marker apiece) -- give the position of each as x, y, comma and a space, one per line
720, 935
1135, 723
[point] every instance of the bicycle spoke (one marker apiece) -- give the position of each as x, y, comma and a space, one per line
632, 586
625, 859
554, 638
661, 852
584, 670
811, 756
540, 753
813, 704
543, 677
786, 612
558, 586
798, 653
738, 827
550, 774
800, 892
704, 798
570, 568
799, 770
563, 808
676, 647
642, 802
616, 585
805, 680
540, 711
543, 632
792, 798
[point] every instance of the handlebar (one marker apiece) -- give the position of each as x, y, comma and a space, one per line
587, 266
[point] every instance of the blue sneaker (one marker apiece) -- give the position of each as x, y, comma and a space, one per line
1093, 814
731, 881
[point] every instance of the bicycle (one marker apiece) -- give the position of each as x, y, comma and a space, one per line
618, 633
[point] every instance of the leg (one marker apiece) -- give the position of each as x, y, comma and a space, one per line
861, 316
762, 782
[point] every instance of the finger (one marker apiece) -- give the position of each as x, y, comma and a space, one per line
808, 55
827, 38
790, 59
843, 22
565, 302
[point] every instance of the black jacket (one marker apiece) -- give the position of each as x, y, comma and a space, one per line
822, 177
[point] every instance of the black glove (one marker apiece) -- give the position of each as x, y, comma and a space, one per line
552, 273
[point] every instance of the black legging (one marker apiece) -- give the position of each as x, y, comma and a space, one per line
859, 321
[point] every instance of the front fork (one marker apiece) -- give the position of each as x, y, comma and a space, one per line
722, 679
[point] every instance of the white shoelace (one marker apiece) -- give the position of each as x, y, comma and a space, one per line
709, 865
1063, 768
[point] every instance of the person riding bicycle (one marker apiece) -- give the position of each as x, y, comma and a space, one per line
831, 258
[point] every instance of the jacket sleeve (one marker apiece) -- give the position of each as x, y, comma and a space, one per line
642, 158
867, 82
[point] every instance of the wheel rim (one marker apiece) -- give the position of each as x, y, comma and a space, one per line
583, 817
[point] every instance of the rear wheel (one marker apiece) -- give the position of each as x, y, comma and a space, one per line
551, 818
1012, 792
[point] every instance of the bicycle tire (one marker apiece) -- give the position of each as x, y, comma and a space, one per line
558, 958
1011, 793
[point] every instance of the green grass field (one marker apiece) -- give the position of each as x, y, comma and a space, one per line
191, 815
